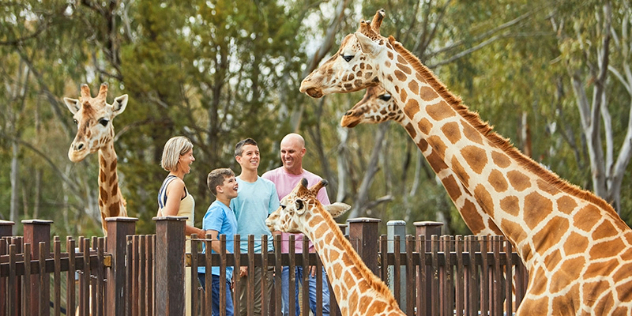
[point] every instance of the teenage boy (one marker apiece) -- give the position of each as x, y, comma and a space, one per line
257, 199
220, 220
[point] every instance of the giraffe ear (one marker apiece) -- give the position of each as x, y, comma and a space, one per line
72, 105
367, 45
119, 104
337, 209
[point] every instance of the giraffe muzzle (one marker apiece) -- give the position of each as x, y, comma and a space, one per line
314, 93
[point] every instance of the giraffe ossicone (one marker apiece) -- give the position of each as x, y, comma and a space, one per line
358, 291
577, 250
95, 133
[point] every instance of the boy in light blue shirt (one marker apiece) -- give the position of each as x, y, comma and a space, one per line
220, 220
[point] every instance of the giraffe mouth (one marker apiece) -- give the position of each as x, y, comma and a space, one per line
314, 93
350, 120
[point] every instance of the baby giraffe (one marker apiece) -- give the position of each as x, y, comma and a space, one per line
358, 291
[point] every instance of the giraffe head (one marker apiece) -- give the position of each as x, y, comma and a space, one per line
93, 117
377, 106
355, 66
298, 207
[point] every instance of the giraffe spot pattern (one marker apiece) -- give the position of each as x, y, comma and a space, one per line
511, 228
404, 68
114, 209
518, 180
591, 291
389, 55
400, 75
475, 157
624, 294
440, 111
390, 78
501, 160
553, 259
547, 187
575, 243
622, 272
587, 218
411, 110
550, 234
606, 249
103, 194
511, 205
427, 94
452, 187
451, 132
484, 199
605, 230
561, 304
474, 219
497, 181
536, 208
114, 188
404, 96
401, 59
566, 204
539, 287
471, 133
438, 145
424, 125
388, 65
411, 130
413, 86
423, 145
436, 162
460, 171
368, 75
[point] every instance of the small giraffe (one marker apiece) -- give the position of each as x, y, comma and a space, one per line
95, 132
577, 250
358, 291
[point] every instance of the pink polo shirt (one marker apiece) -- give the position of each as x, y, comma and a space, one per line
285, 183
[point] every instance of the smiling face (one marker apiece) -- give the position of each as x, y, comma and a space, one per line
377, 106
229, 187
292, 152
93, 117
185, 161
249, 158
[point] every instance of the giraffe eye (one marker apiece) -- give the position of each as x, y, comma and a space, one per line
299, 204
347, 58
385, 97
283, 206
76, 122
104, 121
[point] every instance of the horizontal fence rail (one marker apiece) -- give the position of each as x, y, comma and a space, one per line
427, 274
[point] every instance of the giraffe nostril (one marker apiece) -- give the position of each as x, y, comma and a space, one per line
348, 113
79, 146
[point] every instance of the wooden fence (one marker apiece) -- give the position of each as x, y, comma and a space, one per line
128, 274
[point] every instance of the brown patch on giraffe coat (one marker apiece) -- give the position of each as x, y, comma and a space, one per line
622, 272
460, 171
436, 162
427, 94
423, 145
539, 286
452, 187
575, 244
474, 220
401, 59
377, 307
404, 68
424, 125
471, 133
511, 205
624, 293
451, 132
536, 209
553, 259
605, 230
400, 75
501, 160
438, 145
404, 96
114, 191
547, 187
475, 157
413, 86
551, 234
606, 249
390, 55
605, 303
114, 210
388, 65
512, 228
566, 204
587, 218
389, 78
103, 194
519, 181
440, 111
411, 130
484, 199
561, 304
321, 230
411, 109
497, 180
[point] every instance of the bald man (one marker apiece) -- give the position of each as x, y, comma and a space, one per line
285, 179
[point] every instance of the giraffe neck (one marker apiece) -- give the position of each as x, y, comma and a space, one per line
358, 291
529, 204
479, 222
110, 199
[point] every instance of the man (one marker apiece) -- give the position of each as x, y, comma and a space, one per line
220, 220
256, 200
285, 178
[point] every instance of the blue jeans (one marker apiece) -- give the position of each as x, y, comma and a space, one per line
285, 275
215, 295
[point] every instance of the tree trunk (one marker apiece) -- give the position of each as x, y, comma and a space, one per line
14, 216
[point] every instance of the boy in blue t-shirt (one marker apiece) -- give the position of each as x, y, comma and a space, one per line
220, 220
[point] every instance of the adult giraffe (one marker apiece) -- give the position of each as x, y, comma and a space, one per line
95, 132
576, 248
358, 291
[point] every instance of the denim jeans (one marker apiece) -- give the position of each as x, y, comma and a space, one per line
215, 295
312, 291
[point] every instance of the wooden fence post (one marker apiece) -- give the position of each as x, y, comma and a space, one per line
36, 231
118, 230
170, 240
363, 234
397, 228
427, 229
6, 230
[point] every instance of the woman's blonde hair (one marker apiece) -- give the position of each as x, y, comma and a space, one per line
174, 148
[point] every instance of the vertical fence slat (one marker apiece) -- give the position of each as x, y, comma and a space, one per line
292, 276
473, 288
397, 269
11, 297
208, 276
43, 276
222, 275
142, 276
422, 301
498, 285
129, 272
278, 268
100, 284
26, 281
57, 274
459, 297
70, 277
265, 294
508, 277
305, 276
485, 298
410, 276
194, 275
434, 277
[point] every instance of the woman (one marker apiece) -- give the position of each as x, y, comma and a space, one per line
173, 197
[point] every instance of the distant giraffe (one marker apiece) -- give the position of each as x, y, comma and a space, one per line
576, 248
95, 132
358, 291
